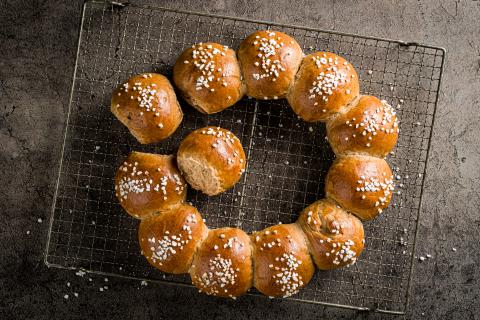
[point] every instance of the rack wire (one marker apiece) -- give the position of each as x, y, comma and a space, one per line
287, 158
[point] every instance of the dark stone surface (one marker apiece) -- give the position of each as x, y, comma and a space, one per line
37, 51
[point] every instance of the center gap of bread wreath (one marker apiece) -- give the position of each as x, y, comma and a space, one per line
279, 260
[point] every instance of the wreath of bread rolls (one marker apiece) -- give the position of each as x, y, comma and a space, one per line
278, 261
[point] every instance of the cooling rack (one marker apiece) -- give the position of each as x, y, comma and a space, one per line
287, 158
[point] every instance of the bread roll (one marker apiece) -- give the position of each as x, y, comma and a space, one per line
208, 76
223, 264
269, 61
324, 85
149, 183
281, 259
212, 159
146, 104
362, 185
336, 237
370, 127
170, 240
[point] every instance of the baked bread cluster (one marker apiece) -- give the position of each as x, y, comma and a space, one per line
280, 260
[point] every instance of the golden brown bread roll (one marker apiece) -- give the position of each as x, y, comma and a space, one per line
281, 260
362, 185
212, 159
147, 105
208, 76
324, 85
370, 127
149, 183
169, 240
336, 237
269, 61
223, 263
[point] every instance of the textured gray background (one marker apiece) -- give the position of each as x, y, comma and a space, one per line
37, 51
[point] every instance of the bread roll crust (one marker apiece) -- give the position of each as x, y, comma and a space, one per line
208, 76
212, 159
370, 127
147, 183
362, 185
147, 105
223, 264
282, 261
336, 238
169, 240
325, 84
269, 61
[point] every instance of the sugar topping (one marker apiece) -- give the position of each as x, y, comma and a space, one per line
144, 95
285, 267
267, 58
343, 253
169, 245
287, 276
221, 134
222, 271
220, 275
203, 58
137, 181
330, 77
382, 119
373, 185
231, 241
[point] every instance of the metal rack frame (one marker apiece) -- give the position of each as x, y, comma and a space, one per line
287, 158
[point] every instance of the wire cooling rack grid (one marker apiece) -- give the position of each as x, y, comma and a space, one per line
287, 158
